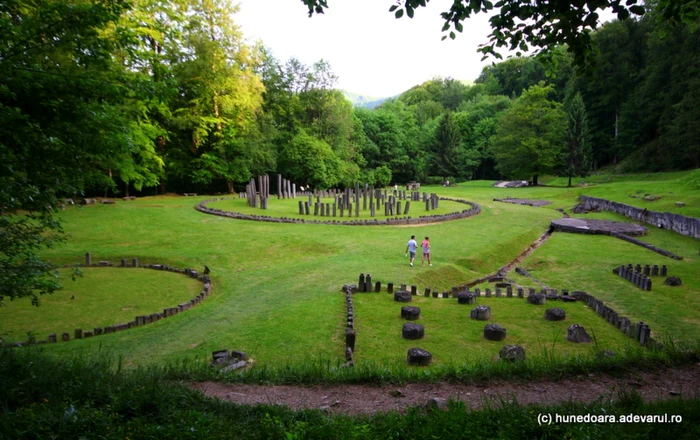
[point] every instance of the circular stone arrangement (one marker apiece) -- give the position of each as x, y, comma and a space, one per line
474, 209
590, 226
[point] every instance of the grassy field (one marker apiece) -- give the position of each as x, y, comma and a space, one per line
277, 286
101, 297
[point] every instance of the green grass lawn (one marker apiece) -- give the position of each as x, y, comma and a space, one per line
102, 297
276, 287
454, 338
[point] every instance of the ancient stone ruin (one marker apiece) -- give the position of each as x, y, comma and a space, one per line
480, 313
494, 332
410, 313
576, 333
419, 357
554, 314
412, 331
512, 353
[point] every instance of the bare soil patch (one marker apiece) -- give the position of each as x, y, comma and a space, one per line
662, 384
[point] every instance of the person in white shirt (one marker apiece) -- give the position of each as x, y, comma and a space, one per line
411, 249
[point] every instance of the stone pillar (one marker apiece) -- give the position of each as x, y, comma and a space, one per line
306, 208
361, 283
135, 262
294, 190
52, 338
647, 270
654, 270
414, 290
88, 259
301, 207
371, 210
405, 210
378, 287
427, 292
398, 208
390, 287
638, 268
368, 283
664, 271
78, 333
427, 205
65, 337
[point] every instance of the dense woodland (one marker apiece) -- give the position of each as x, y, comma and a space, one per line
157, 96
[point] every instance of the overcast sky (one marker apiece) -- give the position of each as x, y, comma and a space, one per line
370, 51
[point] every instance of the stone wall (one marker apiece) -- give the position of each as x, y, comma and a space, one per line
689, 226
474, 209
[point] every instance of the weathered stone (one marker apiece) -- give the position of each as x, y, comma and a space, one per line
412, 331
480, 313
673, 281
351, 287
466, 298
378, 287
536, 298
576, 333
664, 271
552, 296
410, 313
52, 338
420, 357
654, 270
554, 314
350, 337
402, 296
390, 287
494, 332
512, 353
78, 334
65, 337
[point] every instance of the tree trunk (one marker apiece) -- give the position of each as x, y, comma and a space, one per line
126, 189
569, 182
534, 180
230, 186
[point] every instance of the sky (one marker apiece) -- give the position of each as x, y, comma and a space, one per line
371, 52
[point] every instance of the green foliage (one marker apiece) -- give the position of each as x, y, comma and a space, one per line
310, 161
529, 140
577, 139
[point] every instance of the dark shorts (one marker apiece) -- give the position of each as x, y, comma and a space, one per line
412, 254
425, 254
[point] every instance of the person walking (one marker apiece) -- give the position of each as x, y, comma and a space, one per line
411, 249
426, 251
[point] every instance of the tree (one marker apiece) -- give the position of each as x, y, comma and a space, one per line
529, 140
445, 159
59, 87
311, 161
543, 25
577, 139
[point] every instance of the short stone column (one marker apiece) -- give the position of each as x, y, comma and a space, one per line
494, 332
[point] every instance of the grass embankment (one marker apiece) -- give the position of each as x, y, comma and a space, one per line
276, 287
86, 398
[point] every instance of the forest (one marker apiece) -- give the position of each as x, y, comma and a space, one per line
156, 96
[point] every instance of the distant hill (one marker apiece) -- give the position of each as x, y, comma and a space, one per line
369, 102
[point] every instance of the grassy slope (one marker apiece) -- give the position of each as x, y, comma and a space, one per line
277, 286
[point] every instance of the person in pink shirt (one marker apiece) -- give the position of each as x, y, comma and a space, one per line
426, 251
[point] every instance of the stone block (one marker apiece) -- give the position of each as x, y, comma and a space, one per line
412, 331
494, 332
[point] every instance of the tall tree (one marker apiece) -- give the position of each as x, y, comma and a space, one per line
530, 136
445, 159
577, 139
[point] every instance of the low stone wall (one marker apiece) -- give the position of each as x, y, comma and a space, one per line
689, 226
474, 210
651, 247
138, 320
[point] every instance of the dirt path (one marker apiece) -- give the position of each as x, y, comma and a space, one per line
363, 399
